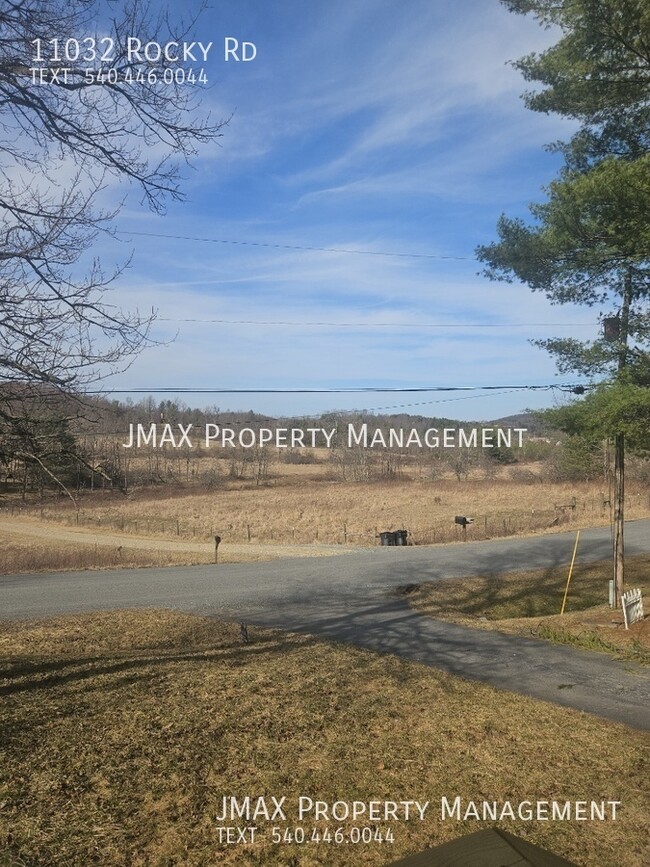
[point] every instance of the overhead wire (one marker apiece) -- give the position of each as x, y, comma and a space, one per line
354, 411
304, 247
288, 323
419, 325
355, 252
347, 390
433, 402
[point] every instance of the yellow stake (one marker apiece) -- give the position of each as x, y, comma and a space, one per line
568, 580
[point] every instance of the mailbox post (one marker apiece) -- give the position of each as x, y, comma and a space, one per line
463, 522
217, 539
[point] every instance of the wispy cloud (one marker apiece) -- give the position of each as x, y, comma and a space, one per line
367, 125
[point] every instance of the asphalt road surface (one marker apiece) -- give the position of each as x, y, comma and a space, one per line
347, 598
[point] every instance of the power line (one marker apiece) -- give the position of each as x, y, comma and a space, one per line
432, 402
297, 247
382, 324
576, 388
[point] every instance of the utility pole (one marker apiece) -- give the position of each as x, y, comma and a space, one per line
619, 515
619, 450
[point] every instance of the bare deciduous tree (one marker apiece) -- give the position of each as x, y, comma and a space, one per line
62, 141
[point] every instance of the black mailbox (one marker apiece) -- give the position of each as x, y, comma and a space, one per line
463, 521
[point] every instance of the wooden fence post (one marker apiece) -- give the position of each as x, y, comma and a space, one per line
217, 539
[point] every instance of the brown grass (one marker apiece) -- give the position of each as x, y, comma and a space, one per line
24, 554
40, 547
352, 513
123, 732
529, 603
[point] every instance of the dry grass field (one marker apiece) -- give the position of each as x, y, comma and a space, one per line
23, 552
122, 733
300, 510
529, 603
33, 546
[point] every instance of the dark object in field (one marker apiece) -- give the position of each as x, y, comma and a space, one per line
243, 630
463, 521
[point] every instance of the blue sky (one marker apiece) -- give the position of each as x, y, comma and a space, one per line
370, 125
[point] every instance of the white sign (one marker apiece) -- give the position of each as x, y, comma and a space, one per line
632, 605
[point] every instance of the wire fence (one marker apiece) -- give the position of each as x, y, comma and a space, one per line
441, 530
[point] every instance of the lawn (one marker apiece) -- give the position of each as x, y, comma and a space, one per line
528, 602
123, 732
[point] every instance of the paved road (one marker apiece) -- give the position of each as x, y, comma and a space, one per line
347, 598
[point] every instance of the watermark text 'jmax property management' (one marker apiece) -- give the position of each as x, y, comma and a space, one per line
307, 820
351, 436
